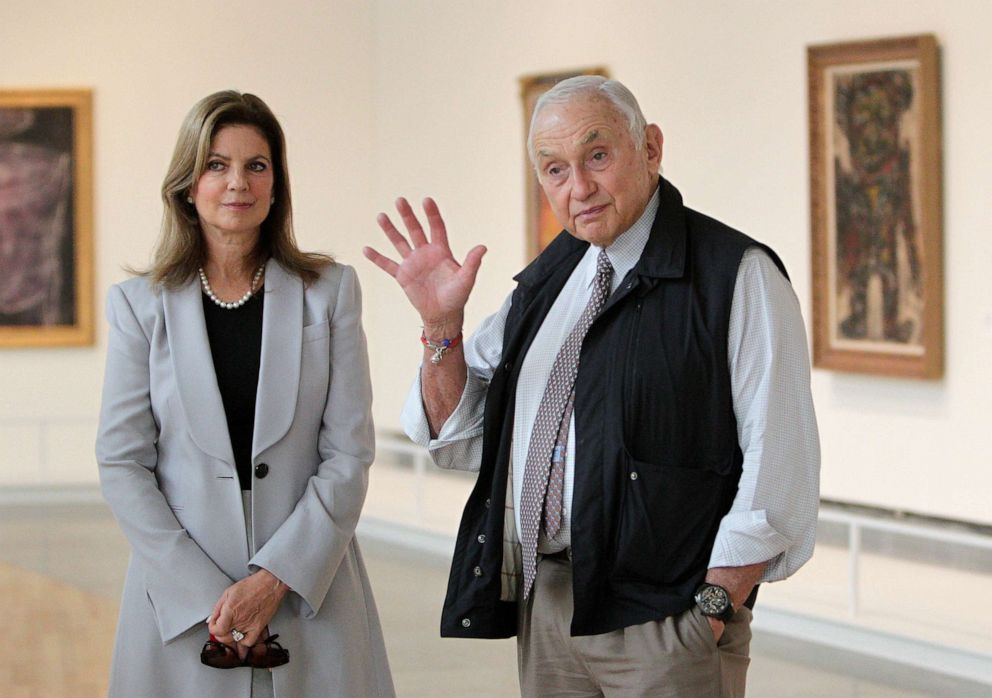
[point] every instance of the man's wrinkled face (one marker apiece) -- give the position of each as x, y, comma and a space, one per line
597, 180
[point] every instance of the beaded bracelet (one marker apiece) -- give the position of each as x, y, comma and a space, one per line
440, 349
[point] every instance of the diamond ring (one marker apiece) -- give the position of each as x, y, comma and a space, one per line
237, 635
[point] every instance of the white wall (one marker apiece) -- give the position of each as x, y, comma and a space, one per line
420, 98
726, 82
147, 63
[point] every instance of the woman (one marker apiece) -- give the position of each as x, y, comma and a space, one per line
235, 437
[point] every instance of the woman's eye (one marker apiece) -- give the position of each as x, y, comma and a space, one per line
215, 165
258, 167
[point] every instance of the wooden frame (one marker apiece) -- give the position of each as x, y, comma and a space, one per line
46, 218
542, 226
875, 186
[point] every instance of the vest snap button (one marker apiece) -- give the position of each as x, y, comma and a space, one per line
466, 622
633, 476
477, 571
482, 538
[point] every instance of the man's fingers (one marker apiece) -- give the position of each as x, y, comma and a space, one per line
439, 233
473, 260
717, 627
395, 237
381, 261
413, 228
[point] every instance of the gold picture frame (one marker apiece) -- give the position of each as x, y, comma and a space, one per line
542, 226
46, 218
875, 189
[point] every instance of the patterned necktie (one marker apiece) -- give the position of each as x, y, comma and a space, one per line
556, 479
548, 424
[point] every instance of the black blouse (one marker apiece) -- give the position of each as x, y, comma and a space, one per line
236, 346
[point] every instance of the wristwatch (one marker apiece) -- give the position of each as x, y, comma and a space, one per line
714, 601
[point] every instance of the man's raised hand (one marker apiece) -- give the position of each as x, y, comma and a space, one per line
436, 284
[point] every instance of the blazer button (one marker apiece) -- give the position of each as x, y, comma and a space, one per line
261, 470
477, 571
482, 538
466, 623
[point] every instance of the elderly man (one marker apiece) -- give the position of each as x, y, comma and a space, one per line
639, 414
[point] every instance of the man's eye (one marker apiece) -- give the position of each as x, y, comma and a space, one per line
601, 155
554, 171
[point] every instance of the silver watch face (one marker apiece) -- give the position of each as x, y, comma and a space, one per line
712, 600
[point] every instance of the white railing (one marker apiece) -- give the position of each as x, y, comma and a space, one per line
421, 461
855, 634
37, 466
857, 522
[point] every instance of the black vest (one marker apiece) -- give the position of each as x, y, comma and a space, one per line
657, 457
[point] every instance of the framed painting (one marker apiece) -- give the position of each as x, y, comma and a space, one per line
542, 226
46, 218
875, 188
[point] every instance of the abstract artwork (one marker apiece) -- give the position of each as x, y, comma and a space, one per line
45, 218
875, 204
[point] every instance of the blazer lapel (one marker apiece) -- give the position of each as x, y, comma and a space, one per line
282, 343
193, 365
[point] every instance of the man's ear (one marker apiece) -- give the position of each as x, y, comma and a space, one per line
654, 142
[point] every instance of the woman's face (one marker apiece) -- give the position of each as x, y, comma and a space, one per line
234, 193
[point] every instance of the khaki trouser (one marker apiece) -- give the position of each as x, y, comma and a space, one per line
672, 658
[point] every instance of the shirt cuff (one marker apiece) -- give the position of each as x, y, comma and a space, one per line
464, 423
746, 538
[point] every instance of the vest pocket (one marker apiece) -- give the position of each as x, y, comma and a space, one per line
667, 521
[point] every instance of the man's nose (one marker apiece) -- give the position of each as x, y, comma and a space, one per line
583, 185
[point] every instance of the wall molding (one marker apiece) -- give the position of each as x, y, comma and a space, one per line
939, 659
50, 495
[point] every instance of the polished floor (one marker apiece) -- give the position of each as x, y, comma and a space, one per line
61, 572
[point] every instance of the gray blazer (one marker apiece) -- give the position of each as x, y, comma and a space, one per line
168, 473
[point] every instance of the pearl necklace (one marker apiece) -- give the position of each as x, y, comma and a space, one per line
233, 304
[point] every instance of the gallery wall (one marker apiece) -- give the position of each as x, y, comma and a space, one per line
387, 98
147, 63
726, 82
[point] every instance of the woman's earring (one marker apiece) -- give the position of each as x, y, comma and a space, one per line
272, 200
189, 199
